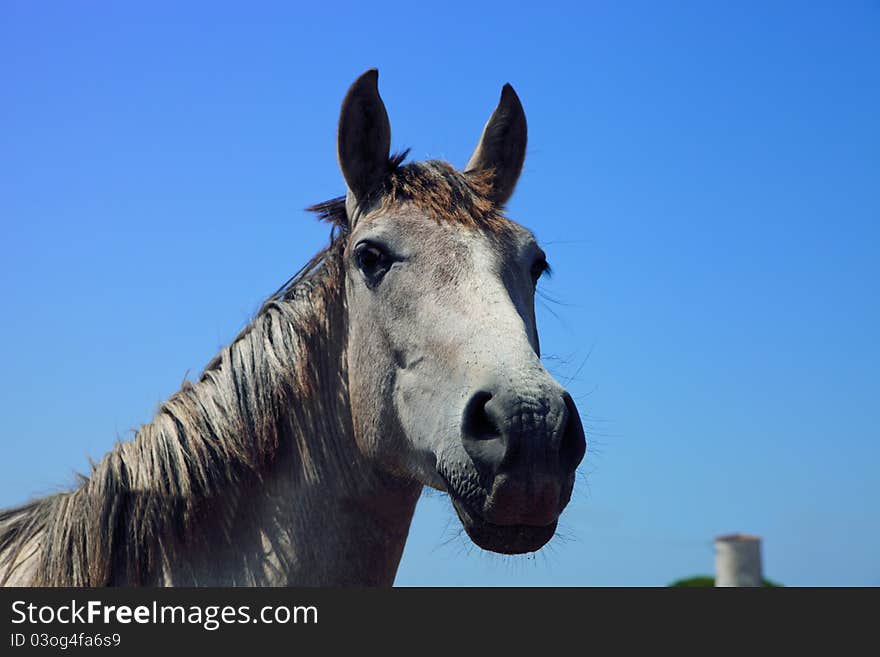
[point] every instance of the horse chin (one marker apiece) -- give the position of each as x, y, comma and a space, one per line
504, 539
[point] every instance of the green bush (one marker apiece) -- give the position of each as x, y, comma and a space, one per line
708, 580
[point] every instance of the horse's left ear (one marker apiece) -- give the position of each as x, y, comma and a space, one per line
502, 146
364, 137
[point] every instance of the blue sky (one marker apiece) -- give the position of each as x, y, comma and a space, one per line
703, 177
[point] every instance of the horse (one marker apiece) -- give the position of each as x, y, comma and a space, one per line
403, 355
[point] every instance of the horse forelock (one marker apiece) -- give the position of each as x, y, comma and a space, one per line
441, 192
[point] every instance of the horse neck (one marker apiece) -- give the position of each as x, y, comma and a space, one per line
321, 513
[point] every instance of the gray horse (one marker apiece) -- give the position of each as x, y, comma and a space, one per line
403, 355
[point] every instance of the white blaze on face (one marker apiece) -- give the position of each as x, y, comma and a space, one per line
455, 314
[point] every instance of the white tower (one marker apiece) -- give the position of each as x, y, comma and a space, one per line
738, 560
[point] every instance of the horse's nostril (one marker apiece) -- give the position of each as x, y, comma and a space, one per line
500, 437
478, 423
481, 435
573, 445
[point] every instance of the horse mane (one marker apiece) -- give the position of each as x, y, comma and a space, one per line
268, 391
123, 522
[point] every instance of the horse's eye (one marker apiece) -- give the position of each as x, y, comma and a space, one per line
539, 268
373, 261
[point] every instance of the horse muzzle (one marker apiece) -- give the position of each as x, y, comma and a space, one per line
525, 449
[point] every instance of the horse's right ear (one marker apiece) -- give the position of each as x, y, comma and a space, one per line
502, 146
364, 139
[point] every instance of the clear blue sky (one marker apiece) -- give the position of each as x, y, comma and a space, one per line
705, 179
